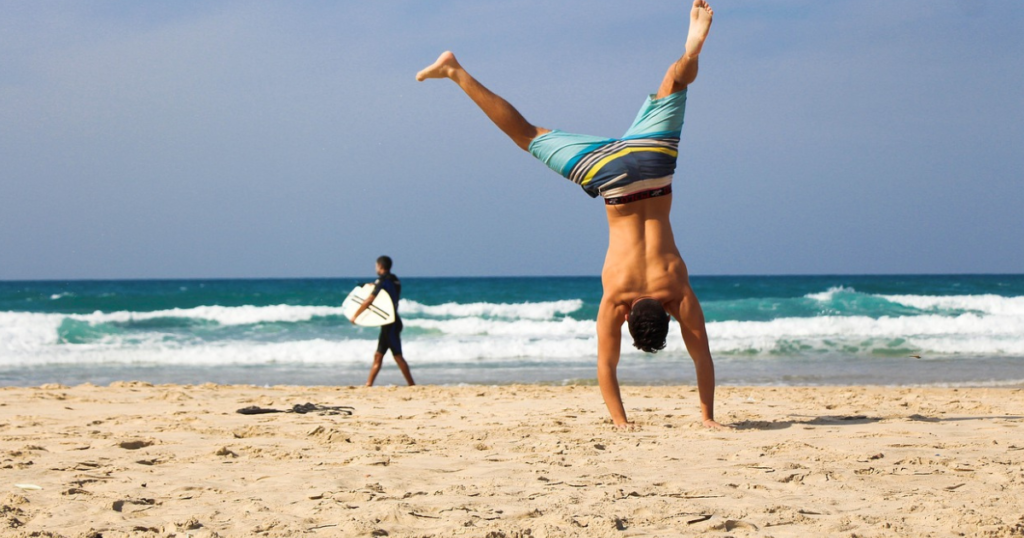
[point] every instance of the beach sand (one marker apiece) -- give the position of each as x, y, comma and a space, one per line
509, 461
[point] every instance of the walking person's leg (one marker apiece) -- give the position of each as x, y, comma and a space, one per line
395, 343
378, 357
378, 361
404, 367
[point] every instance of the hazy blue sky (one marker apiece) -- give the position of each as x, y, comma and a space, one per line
282, 139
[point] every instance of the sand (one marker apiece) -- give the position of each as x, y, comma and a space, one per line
510, 461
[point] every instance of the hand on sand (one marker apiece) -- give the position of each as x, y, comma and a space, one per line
627, 427
710, 423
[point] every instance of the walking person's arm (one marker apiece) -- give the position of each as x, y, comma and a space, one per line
362, 308
369, 300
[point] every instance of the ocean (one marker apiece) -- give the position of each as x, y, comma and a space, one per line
948, 330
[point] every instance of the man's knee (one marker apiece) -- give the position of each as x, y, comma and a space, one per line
526, 138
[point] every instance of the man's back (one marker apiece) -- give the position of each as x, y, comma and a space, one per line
642, 257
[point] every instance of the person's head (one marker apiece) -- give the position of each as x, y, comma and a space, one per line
383, 265
648, 325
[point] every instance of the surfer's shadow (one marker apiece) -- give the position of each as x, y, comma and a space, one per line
825, 420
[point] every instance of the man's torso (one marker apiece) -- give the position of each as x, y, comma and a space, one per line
642, 259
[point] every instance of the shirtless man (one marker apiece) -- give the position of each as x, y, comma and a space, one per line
644, 277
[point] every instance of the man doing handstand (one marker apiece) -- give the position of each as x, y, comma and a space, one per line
644, 276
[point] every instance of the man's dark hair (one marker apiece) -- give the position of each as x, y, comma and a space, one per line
385, 262
648, 324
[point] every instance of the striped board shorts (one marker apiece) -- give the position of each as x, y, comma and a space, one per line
644, 159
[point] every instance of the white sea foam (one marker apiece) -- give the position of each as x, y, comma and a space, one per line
251, 315
537, 311
989, 326
968, 334
33, 338
986, 304
829, 294
316, 351
566, 327
20, 331
223, 315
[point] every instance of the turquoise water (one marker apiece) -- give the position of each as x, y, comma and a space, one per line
797, 330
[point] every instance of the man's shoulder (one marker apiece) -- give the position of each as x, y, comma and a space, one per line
387, 280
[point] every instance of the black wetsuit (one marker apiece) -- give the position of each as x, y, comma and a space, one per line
391, 334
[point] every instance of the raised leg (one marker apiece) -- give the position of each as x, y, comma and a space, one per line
503, 114
684, 70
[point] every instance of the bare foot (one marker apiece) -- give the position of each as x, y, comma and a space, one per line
442, 68
700, 24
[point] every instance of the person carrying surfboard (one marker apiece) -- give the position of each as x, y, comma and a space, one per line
644, 277
390, 334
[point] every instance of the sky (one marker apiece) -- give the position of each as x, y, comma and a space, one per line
251, 139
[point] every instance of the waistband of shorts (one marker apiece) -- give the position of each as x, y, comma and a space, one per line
612, 189
637, 196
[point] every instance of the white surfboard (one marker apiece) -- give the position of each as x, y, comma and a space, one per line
380, 312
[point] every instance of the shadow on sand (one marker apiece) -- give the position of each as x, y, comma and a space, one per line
847, 420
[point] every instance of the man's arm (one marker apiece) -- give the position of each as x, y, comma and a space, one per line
609, 342
695, 336
705, 369
369, 300
362, 308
